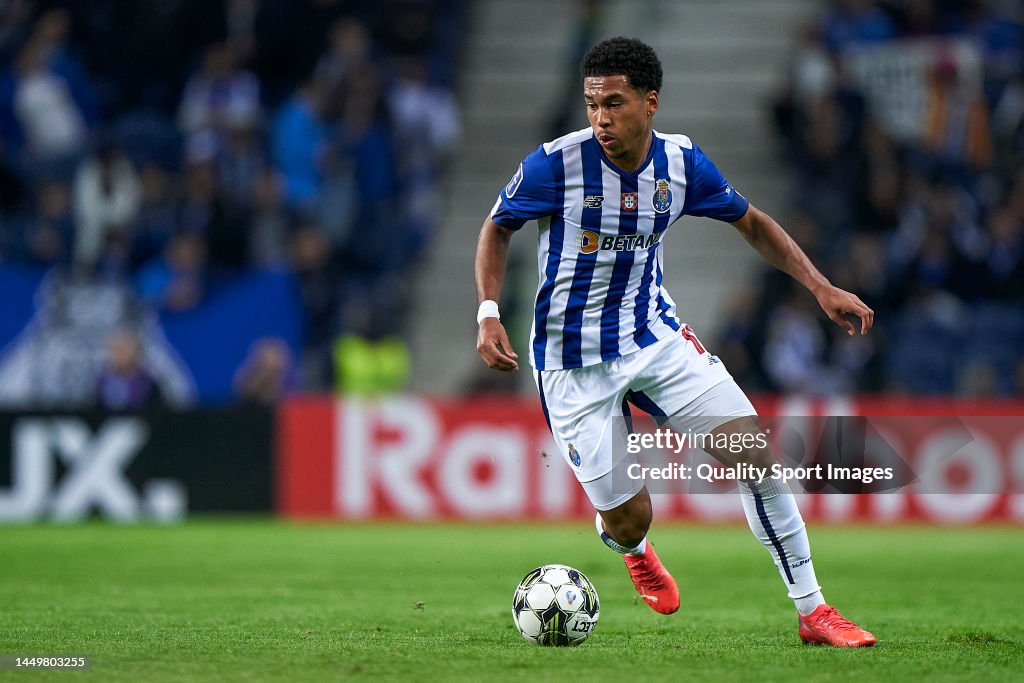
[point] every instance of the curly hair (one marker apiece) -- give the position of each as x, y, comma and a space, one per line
627, 57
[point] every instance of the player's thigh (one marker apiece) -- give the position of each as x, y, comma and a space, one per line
583, 407
674, 381
723, 412
740, 440
717, 407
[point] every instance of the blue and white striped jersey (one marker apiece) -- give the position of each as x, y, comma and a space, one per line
600, 294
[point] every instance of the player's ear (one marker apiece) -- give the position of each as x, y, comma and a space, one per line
652, 102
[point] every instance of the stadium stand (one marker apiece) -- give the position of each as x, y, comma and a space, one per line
186, 159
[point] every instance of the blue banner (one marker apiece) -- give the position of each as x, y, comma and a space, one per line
57, 338
215, 338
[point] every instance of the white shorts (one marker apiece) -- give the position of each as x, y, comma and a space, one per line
675, 376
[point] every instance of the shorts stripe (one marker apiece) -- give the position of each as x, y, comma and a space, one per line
647, 404
627, 414
543, 401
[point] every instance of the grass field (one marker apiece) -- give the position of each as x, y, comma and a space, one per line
262, 600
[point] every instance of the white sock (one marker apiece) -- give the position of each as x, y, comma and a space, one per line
610, 542
809, 603
774, 517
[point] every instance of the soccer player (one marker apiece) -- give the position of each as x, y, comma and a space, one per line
606, 333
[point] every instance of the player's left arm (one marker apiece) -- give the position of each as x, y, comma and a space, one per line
775, 245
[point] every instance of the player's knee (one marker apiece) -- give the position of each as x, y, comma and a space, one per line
758, 457
747, 433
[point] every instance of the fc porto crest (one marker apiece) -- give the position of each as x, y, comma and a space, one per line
662, 196
629, 201
574, 455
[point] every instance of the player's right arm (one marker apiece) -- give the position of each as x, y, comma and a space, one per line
491, 256
531, 193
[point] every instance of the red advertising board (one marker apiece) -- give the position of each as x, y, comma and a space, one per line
490, 458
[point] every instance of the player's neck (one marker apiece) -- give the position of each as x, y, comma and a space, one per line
631, 163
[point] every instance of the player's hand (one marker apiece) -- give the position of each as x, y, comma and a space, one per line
493, 346
838, 303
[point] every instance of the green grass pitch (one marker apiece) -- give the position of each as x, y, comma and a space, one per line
240, 600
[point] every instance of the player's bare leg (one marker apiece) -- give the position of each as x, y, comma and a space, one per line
624, 530
628, 523
775, 519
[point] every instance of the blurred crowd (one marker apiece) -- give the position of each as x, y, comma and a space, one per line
928, 230
157, 145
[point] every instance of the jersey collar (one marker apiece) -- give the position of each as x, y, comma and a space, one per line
625, 174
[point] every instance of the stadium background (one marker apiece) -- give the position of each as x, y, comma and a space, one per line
236, 244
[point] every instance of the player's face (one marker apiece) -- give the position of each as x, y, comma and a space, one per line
621, 117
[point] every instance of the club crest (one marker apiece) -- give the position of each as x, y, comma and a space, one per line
574, 455
662, 196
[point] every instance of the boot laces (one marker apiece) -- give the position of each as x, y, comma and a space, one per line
834, 620
647, 575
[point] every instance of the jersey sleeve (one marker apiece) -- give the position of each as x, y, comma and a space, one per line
532, 193
708, 193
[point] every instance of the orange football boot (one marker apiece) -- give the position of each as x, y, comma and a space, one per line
652, 581
825, 625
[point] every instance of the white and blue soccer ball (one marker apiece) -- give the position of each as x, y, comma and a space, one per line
555, 605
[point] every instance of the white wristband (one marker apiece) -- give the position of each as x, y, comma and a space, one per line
488, 309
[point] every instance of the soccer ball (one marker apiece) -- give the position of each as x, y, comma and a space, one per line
555, 605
